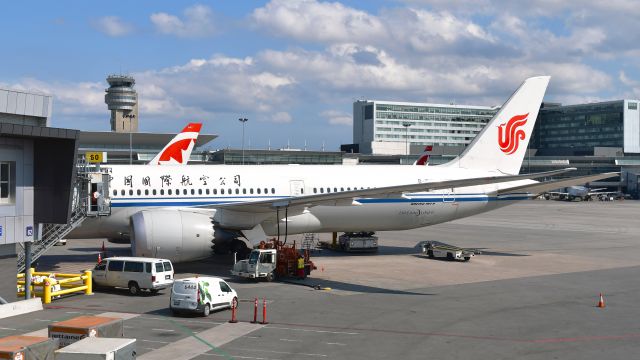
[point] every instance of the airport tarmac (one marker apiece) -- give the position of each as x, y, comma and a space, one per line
532, 294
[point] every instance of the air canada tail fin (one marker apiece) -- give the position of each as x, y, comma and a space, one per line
503, 142
178, 150
424, 157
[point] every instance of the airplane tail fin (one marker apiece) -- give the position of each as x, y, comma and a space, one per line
503, 142
424, 158
178, 150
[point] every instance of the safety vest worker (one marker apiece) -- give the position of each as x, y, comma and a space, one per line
301, 273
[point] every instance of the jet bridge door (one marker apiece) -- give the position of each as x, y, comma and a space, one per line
296, 187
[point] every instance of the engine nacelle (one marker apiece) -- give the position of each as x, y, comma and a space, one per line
178, 235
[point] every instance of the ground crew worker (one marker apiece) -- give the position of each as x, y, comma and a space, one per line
301, 274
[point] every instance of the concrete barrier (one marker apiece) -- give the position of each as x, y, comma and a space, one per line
20, 307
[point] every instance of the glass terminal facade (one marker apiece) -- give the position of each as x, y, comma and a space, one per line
575, 130
416, 123
262, 157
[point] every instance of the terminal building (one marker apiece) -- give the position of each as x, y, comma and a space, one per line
391, 128
37, 170
603, 128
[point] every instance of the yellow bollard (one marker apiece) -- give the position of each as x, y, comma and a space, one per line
46, 292
31, 271
88, 283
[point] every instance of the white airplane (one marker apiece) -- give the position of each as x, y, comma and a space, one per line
181, 213
178, 150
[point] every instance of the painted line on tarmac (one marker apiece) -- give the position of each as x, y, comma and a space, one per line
155, 341
463, 336
290, 340
202, 342
10, 329
168, 330
586, 338
311, 330
339, 344
241, 357
278, 352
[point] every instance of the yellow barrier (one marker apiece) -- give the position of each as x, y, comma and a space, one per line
50, 286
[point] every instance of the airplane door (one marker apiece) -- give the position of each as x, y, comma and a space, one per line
296, 187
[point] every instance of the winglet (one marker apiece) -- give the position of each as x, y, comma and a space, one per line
178, 150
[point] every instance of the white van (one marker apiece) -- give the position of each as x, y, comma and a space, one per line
201, 295
134, 273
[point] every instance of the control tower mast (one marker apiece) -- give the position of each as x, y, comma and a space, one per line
122, 100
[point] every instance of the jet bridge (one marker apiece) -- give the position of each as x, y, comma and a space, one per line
90, 199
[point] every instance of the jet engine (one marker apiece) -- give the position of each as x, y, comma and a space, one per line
178, 235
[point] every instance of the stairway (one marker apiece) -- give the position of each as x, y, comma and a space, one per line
52, 233
310, 241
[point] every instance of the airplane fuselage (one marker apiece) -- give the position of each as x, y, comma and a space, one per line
136, 188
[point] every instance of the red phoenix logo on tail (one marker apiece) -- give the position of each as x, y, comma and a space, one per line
509, 136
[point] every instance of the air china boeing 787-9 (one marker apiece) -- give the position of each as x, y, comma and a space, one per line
181, 212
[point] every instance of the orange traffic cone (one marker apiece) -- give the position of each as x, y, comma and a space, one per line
99, 258
601, 302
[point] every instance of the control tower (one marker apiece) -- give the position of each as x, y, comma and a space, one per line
122, 100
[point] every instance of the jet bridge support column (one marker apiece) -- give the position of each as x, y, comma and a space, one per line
27, 270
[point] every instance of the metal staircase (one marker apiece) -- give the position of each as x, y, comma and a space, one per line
310, 241
82, 207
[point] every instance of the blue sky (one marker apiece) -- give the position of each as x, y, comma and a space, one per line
294, 67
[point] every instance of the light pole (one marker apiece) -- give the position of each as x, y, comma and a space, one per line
406, 137
243, 120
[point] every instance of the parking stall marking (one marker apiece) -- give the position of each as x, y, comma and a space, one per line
278, 352
201, 343
311, 330
155, 341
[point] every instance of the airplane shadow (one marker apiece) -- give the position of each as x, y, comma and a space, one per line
382, 250
344, 286
499, 253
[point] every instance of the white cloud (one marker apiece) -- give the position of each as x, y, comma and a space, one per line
197, 22
220, 84
112, 26
337, 117
281, 117
317, 21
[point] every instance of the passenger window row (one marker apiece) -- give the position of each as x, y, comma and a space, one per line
244, 191
147, 192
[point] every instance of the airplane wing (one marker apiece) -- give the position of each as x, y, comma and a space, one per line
542, 187
347, 197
